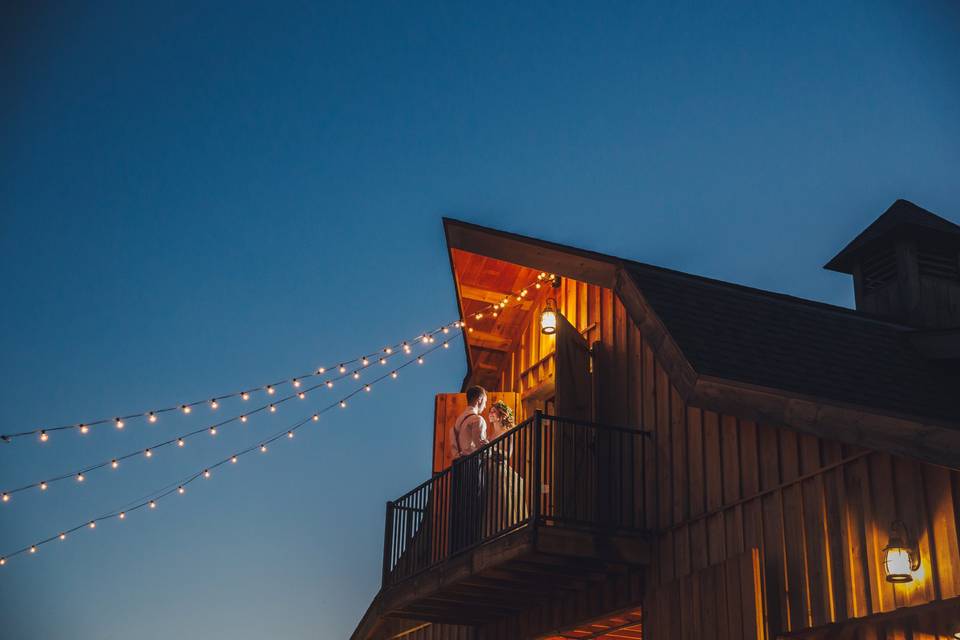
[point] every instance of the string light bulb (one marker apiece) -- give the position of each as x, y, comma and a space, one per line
148, 453
114, 464
185, 408
63, 536
181, 490
80, 477
301, 395
181, 443
213, 431
245, 396
93, 524
273, 408
342, 369
388, 350
206, 473
243, 418
118, 422
233, 459
343, 404
290, 434
394, 374
383, 361
356, 375
3, 561
6, 497
329, 384
270, 389
420, 360
365, 361
84, 429
43, 436
321, 371
214, 404
263, 448
296, 383
446, 345
43, 486
152, 417
366, 388
316, 417
153, 504
122, 515
33, 549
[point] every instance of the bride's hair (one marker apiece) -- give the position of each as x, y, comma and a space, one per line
506, 414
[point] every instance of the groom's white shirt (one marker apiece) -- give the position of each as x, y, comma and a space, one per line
469, 433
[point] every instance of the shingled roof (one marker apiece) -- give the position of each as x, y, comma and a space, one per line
903, 217
796, 345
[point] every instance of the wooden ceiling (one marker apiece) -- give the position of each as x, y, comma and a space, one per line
482, 281
624, 626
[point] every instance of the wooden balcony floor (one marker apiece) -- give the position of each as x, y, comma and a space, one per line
512, 573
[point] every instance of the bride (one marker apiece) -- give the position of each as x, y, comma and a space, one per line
505, 498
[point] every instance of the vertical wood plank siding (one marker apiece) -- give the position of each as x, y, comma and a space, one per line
818, 512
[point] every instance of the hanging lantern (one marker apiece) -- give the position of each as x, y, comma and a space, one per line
548, 318
900, 556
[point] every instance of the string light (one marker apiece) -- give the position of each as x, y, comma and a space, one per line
186, 408
343, 404
206, 473
366, 388
356, 375
243, 418
43, 436
80, 477
181, 442
6, 497
63, 536
43, 486
383, 361
213, 431
302, 395
342, 369
273, 408
329, 384
393, 374
148, 453
114, 464
316, 417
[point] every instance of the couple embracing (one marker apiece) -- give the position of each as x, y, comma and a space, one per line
489, 493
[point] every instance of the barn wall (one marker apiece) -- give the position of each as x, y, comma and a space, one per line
817, 510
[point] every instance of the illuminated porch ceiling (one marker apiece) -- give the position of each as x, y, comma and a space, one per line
623, 626
480, 282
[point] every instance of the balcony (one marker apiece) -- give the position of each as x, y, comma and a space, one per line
552, 505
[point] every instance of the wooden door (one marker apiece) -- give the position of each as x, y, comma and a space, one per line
723, 601
446, 409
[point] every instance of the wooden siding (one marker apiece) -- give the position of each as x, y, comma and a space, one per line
818, 511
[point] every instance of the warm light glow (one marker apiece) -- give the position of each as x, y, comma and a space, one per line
316, 417
3, 561
388, 350
366, 388
148, 453
186, 408
270, 389
114, 463
181, 490
548, 318
321, 371
343, 404
342, 369
383, 361
63, 536
93, 524
33, 549
290, 434
356, 375
84, 429
897, 564
152, 417
329, 384
206, 473
394, 374
6, 498
446, 329
214, 404
245, 395
301, 395
365, 362
233, 459
153, 505
43, 486
243, 418
122, 515
43, 436
273, 408
80, 477
446, 345
420, 360
263, 448
213, 431
296, 383
118, 422
180, 442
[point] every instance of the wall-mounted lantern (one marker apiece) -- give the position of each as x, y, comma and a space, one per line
901, 556
548, 317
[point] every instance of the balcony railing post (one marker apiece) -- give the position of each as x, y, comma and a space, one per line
387, 542
537, 481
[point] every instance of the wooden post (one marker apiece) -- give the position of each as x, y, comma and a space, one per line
536, 484
387, 540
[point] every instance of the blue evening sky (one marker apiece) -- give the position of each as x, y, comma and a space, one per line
199, 198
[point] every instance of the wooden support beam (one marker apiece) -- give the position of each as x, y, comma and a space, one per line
487, 340
479, 294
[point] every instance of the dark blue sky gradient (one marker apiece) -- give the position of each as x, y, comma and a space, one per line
196, 199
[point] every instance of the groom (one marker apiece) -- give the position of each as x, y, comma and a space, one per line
468, 434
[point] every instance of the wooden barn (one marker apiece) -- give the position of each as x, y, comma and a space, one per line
692, 458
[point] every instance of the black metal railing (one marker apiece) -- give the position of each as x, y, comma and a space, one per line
547, 471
